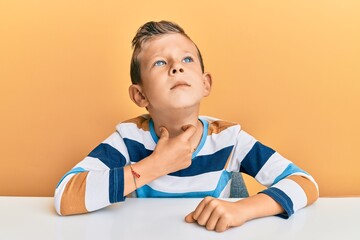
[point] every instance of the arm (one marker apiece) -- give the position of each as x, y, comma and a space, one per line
289, 188
95, 182
104, 178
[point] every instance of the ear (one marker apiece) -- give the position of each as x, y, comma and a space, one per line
207, 84
137, 96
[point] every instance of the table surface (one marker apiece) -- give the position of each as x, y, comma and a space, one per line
35, 218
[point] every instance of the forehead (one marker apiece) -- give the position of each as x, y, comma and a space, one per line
166, 43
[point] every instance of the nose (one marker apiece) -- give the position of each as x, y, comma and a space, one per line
176, 69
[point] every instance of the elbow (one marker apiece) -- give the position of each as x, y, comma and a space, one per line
69, 197
308, 185
66, 208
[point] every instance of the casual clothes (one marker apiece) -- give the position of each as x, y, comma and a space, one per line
98, 180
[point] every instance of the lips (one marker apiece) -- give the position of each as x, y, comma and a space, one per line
180, 84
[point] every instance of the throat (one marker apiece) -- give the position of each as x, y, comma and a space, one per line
177, 129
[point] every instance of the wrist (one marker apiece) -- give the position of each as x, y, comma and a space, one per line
246, 210
150, 168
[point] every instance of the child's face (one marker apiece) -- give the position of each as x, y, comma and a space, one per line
171, 73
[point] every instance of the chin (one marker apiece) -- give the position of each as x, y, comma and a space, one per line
184, 106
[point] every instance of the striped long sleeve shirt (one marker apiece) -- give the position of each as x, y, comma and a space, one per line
98, 180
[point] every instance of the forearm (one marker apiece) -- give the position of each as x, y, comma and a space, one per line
259, 205
89, 190
147, 171
105, 177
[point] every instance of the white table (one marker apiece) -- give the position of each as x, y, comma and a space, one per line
35, 218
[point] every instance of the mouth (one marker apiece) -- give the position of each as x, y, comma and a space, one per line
180, 84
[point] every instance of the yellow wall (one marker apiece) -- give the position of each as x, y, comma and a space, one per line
288, 71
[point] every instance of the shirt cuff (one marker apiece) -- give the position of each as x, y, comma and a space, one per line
281, 198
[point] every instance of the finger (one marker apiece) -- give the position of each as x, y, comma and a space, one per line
206, 213
189, 131
213, 220
189, 218
164, 133
200, 208
205, 210
222, 224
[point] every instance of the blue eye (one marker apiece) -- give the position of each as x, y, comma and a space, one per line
188, 59
159, 63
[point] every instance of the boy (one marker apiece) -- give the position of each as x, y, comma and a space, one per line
172, 152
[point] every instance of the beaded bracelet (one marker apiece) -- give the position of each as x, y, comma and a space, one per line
135, 175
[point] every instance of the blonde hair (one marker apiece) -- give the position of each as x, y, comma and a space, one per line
146, 32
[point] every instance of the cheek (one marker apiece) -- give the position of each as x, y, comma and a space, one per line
153, 91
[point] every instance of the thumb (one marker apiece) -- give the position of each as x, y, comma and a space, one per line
164, 133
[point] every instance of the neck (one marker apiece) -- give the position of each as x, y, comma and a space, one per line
174, 121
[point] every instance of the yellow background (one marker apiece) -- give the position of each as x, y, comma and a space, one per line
287, 71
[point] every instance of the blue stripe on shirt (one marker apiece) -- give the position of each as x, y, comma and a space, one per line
206, 163
203, 137
116, 185
148, 192
74, 170
290, 169
199, 165
281, 198
114, 160
255, 159
110, 156
137, 151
